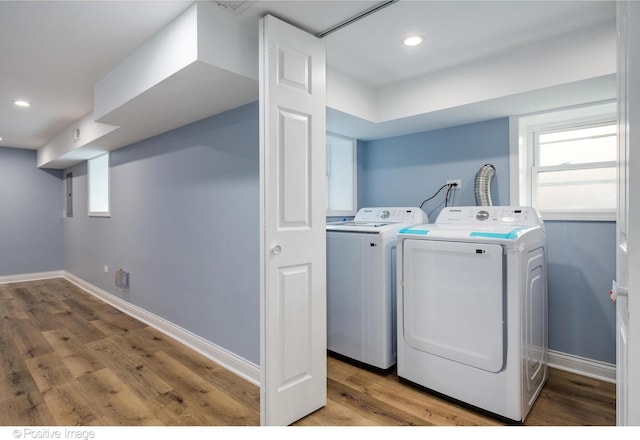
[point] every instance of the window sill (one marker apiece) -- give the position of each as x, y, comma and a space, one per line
578, 216
347, 213
99, 214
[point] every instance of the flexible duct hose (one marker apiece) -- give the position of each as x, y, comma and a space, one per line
483, 185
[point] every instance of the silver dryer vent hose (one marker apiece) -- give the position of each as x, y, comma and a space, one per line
483, 185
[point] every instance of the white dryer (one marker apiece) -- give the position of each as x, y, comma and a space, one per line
361, 284
472, 307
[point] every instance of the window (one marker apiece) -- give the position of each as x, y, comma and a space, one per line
567, 163
98, 169
341, 175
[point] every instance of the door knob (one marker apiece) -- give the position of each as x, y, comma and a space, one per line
276, 249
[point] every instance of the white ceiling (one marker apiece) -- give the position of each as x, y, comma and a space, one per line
54, 52
456, 32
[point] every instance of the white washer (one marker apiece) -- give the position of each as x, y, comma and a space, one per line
361, 284
472, 307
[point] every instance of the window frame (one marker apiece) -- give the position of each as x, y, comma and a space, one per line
106, 213
524, 150
354, 183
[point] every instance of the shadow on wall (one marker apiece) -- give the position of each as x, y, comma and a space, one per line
57, 174
473, 143
226, 127
405, 170
581, 316
31, 207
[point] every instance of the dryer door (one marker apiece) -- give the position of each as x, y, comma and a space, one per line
453, 304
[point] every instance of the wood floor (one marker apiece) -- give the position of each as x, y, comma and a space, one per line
69, 359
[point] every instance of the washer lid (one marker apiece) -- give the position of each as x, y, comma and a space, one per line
354, 223
376, 220
493, 233
368, 227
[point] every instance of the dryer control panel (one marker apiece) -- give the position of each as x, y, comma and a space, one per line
489, 215
391, 215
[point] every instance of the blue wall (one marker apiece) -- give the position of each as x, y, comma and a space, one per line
581, 265
405, 170
31, 214
185, 224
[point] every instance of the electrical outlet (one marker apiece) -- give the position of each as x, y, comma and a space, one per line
122, 279
125, 280
106, 269
458, 183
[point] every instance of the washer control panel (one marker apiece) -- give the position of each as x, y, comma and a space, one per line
391, 215
489, 215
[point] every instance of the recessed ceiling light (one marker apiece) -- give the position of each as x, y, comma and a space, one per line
21, 103
413, 40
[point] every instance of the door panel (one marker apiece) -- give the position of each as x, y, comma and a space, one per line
293, 266
454, 302
293, 162
622, 257
534, 321
360, 298
350, 262
294, 298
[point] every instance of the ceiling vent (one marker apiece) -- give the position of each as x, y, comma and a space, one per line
233, 7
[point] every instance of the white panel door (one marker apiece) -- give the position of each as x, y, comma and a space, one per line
293, 269
622, 261
628, 224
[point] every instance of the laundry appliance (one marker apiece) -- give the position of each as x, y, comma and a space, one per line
361, 284
472, 307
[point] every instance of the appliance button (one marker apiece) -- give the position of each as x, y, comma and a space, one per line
482, 215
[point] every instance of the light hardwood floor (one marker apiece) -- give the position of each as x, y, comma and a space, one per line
69, 359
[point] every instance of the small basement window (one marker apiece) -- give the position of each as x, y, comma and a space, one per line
575, 170
98, 169
567, 163
341, 175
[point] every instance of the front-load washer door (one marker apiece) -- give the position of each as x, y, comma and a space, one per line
453, 301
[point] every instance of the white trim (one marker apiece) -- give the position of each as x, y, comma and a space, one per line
106, 213
515, 172
594, 216
521, 130
225, 358
354, 174
585, 367
99, 214
31, 276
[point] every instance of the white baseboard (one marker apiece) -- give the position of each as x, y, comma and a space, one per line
31, 277
583, 366
225, 358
